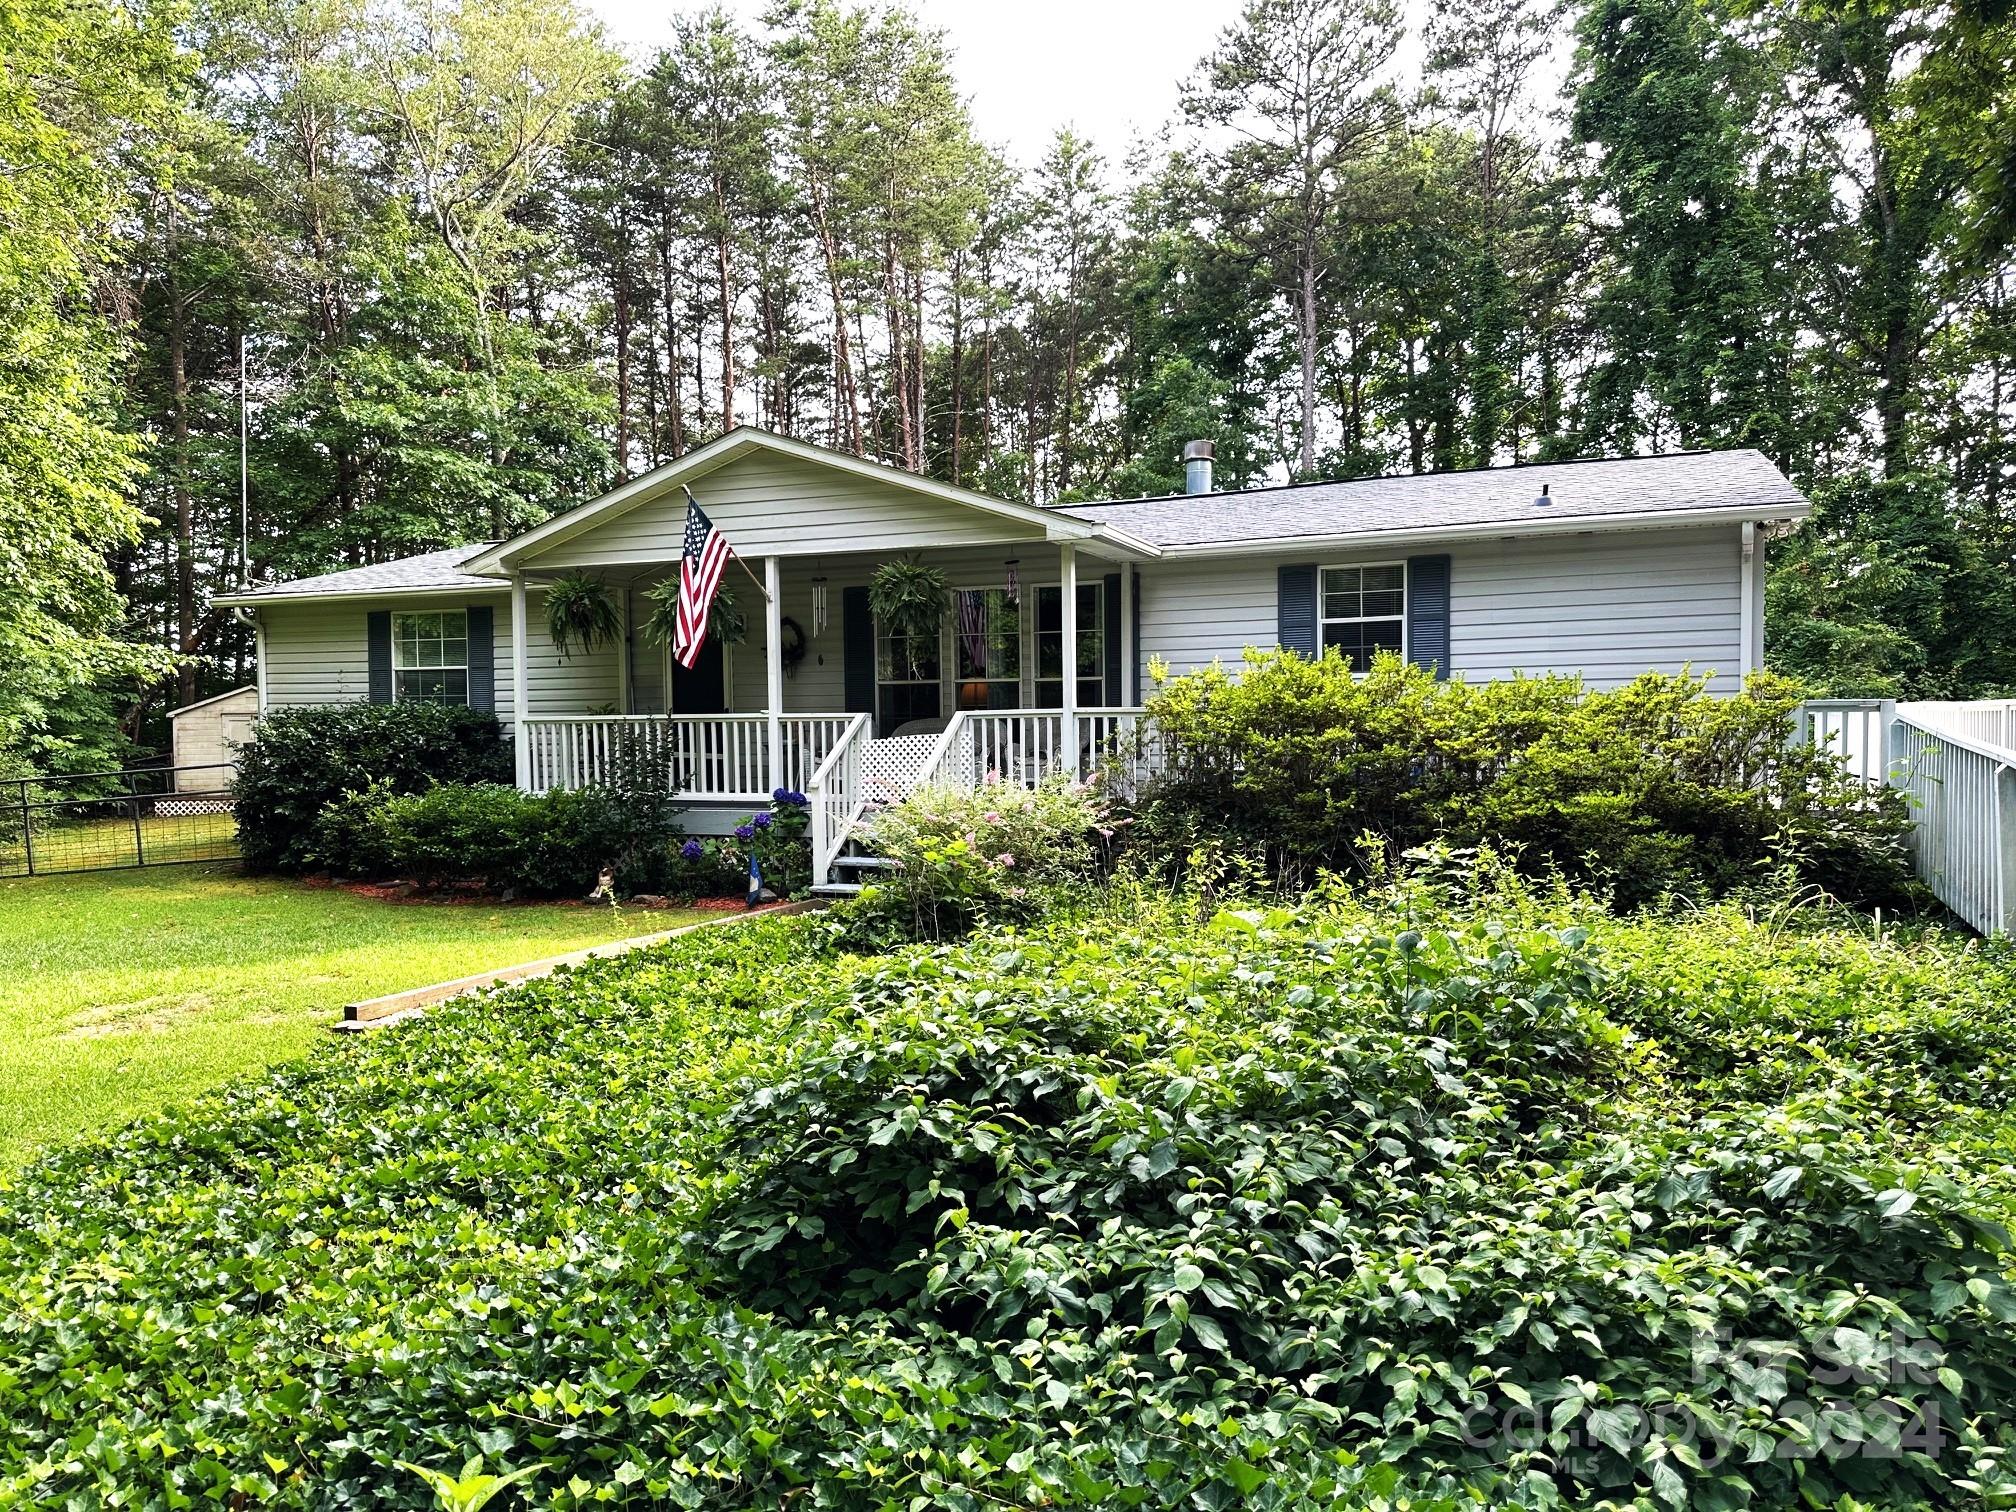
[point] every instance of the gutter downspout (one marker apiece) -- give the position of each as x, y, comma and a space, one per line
1750, 653
250, 619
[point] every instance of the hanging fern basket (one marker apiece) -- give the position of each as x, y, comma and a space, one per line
725, 622
581, 615
908, 598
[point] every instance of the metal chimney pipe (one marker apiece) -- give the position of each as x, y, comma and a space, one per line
1197, 456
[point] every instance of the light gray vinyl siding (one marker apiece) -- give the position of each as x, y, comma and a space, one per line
647, 662
769, 505
1607, 606
1196, 611
315, 654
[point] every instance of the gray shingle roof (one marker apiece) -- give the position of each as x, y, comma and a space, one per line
1428, 501
1611, 491
432, 569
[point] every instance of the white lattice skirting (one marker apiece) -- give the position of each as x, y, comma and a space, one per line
891, 767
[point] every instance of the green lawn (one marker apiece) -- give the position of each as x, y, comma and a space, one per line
124, 991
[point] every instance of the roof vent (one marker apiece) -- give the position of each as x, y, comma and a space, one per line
1544, 498
1197, 457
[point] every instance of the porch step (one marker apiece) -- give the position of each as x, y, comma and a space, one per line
864, 863
836, 889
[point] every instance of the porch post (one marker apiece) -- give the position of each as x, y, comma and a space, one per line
1067, 575
623, 698
773, 656
1128, 677
521, 738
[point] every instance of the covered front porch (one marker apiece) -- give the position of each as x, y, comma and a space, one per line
815, 695
1021, 660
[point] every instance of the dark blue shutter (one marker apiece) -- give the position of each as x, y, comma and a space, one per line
1295, 610
1428, 612
1110, 630
1131, 694
857, 651
378, 655
482, 658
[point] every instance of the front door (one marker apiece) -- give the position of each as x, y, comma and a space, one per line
700, 690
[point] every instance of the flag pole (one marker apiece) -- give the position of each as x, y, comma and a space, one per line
732, 551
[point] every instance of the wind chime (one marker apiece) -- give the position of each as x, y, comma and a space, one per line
1012, 582
818, 607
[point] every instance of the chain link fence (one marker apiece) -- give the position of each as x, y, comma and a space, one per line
103, 821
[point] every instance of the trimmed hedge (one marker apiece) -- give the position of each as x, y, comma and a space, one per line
1660, 786
549, 845
300, 760
1407, 1198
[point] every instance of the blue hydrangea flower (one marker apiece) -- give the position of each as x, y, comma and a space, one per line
692, 850
745, 832
782, 795
761, 821
794, 798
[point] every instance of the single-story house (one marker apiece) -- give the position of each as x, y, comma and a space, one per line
1603, 568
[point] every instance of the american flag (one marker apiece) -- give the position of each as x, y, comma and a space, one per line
701, 562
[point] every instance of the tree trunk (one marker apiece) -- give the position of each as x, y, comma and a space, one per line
846, 393
958, 361
892, 298
668, 295
727, 308
620, 278
1306, 320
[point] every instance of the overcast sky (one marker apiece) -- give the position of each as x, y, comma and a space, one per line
1108, 68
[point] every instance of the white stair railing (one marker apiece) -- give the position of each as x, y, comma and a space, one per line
835, 792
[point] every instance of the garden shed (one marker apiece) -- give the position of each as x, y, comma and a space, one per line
205, 735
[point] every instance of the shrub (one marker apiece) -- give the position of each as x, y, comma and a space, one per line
1657, 786
301, 759
1375, 1202
551, 845
963, 855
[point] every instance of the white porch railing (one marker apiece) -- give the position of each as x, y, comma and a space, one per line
723, 757
1027, 745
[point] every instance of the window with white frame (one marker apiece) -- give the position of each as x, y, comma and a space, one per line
430, 656
1364, 611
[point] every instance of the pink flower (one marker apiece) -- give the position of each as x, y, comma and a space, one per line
1004, 859
992, 818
